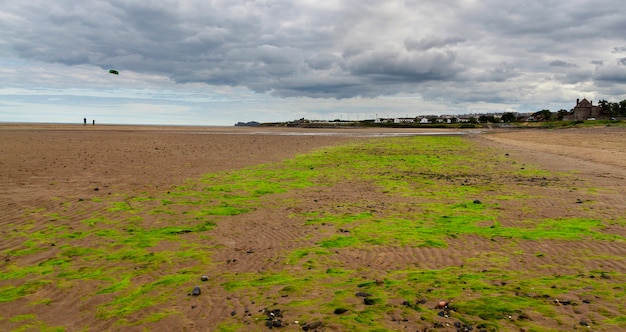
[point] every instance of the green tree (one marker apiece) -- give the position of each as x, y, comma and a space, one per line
508, 117
543, 115
486, 118
622, 108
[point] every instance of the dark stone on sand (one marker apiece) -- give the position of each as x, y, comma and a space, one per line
96, 189
584, 323
204, 278
441, 314
233, 313
477, 201
196, 291
363, 294
369, 301
340, 311
312, 325
457, 325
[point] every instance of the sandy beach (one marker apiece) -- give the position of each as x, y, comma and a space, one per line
47, 167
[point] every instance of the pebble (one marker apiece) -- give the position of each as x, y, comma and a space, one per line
196, 291
312, 326
369, 301
363, 294
204, 278
340, 311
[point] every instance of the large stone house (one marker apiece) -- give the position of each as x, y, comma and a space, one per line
584, 110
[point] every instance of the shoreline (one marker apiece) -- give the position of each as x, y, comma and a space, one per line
239, 130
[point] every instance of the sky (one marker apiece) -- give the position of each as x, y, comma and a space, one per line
218, 62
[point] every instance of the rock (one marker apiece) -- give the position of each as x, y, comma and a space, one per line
369, 301
196, 291
312, 325
340, 311
441, 314
442, 304
233, 313
584, 323
204, 278
363, 294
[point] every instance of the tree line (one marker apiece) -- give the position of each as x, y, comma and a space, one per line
611, 109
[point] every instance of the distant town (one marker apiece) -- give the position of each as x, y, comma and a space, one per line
583, 110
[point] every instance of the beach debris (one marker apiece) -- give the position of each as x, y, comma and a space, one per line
312, 325
196, 291
204, 278
274, 318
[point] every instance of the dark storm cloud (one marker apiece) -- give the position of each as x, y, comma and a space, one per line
560, 63
330, 49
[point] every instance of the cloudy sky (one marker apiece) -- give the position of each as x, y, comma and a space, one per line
216, 62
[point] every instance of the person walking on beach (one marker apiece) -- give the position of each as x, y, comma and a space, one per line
85, 121
94, 122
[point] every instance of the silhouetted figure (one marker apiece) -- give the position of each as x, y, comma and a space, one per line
85, 121
94, 122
